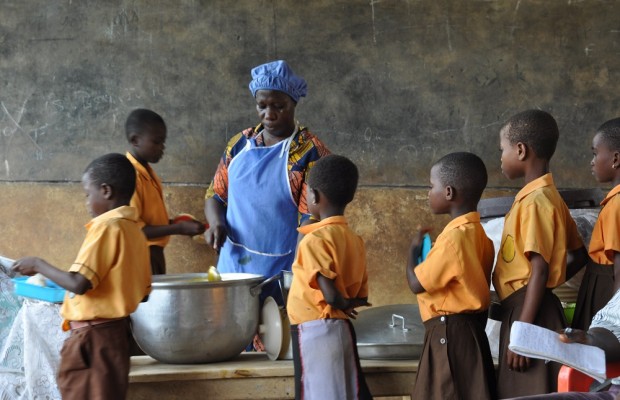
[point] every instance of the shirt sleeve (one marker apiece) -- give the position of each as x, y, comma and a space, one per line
440, 267
95, 258
537, 231
316, 259
611, 228
137, 200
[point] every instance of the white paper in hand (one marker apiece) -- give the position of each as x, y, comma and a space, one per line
536, 342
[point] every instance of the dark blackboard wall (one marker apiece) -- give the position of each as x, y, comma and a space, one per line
392, 84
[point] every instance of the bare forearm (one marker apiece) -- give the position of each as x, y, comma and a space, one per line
535, 289
215, 212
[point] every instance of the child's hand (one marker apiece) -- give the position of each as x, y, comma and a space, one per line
191, 228
419, 236
353, 304
25, 266
517, 362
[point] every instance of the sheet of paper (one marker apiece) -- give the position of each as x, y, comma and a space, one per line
534, 341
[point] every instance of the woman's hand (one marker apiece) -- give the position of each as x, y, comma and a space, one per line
215, 236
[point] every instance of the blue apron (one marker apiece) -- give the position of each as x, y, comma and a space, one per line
261, 213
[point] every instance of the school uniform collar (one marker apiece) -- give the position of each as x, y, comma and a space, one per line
545, 180
611, 194
144, 170
335, 220
123, 212
470, 217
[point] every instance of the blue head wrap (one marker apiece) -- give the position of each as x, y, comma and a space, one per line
277, 75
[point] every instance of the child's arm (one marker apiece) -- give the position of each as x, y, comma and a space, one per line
575, 260
71, 281
334, 298
616, 271
533, 298
188, 228
414, 253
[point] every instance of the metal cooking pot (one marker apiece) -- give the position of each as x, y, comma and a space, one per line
189, 320
393, 332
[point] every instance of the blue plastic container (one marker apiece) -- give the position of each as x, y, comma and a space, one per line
52, 292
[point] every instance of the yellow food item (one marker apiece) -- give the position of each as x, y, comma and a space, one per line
213, 274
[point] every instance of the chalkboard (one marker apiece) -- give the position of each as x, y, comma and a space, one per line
393, 84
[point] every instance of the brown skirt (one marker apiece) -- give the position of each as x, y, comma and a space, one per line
456, 360
597, 287
540, 377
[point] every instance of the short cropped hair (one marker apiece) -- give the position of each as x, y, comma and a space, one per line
141, 118
336, 177
116, 171
609, 132
465, 172
535, 128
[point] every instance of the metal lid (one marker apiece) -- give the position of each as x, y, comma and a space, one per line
389, 332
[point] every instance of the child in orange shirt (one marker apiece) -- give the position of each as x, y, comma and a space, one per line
146, 134
109, 278
329, 282
452, 286
538, 235
602, 277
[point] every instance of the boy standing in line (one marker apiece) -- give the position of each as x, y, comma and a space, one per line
107, 281
146, 134
539, 233
452, 286
329, 282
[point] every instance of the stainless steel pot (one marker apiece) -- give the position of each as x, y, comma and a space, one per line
188, 320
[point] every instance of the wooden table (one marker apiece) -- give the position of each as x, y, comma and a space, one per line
250, 376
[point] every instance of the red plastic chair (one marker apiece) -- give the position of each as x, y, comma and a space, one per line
571, 380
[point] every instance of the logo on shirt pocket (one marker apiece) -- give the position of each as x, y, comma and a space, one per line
508, 249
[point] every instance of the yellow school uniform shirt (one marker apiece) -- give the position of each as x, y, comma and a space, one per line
605, 240
115, 259
457, 271
332, 249
148, 199
538, 222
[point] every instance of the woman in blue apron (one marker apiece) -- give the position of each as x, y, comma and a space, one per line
256, 200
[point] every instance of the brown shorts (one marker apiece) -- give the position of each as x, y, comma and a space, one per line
94, 362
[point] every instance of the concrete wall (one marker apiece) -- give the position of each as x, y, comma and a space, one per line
393, 84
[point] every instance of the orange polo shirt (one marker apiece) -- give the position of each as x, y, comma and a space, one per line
539, 222
605, 240
115, 259
148, 199
457, 271
332, 249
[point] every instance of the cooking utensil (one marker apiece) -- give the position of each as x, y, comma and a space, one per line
188, 319
275, 331
389, 332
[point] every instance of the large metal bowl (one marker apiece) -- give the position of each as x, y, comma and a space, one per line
188, 320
